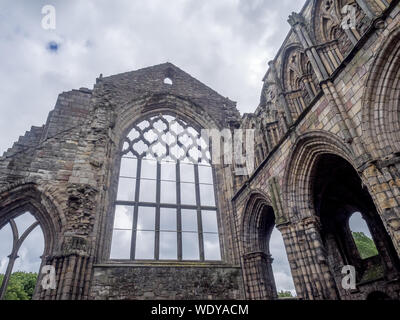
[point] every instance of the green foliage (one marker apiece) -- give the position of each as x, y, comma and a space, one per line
20, 286
372, 273
285, 294
365, 245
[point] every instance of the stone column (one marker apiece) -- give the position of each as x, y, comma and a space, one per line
298, 25
365, 6
308, 260
258, 276
383, 181
73, 269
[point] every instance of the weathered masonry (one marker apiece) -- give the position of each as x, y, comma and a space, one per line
120, 225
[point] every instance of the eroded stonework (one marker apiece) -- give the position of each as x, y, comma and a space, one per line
327, 145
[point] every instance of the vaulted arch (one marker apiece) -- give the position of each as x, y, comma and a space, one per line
25, 196
327, 19
381, 102
298, 176
139, 109
16, 201
254, 220
259, 245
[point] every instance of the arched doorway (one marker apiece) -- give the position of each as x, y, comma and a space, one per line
280, 266
21, 250
349, 222
266, 269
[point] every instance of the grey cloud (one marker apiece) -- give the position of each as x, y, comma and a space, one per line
226, 44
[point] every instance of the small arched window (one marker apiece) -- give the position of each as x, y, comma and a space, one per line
362, 236
168, 81
165, 207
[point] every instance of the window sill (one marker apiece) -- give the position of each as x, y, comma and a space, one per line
165, 264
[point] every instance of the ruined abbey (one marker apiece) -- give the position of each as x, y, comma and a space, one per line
118, 224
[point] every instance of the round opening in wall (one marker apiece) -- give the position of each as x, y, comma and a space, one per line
168, 81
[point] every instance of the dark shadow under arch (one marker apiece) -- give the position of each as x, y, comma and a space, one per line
338, 193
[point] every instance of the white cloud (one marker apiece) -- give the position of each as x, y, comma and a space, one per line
225, 44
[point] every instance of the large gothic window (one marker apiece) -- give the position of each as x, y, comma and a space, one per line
165, 207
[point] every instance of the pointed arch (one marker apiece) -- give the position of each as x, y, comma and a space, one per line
298, 174
24, 197
381, 100
251, 237
298, 78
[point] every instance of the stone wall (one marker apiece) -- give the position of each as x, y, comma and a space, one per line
334, 120
149, 282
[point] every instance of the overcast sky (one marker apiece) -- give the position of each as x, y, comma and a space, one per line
226, 44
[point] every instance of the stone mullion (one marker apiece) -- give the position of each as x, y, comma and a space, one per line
307, 85
327, 59
311, 52
268, 138
284, 126
281, 96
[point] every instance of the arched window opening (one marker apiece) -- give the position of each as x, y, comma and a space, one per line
168, 81
280, 266
351, 227
165, 207
21, 248
266, 253
362, 236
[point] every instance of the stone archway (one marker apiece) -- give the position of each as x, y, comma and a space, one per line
312, 275
337, 193
311, 168
381, 101
256, 229
17, 200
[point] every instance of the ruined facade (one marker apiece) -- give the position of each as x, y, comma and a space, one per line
327, 137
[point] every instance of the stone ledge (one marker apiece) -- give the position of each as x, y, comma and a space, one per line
165, 265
